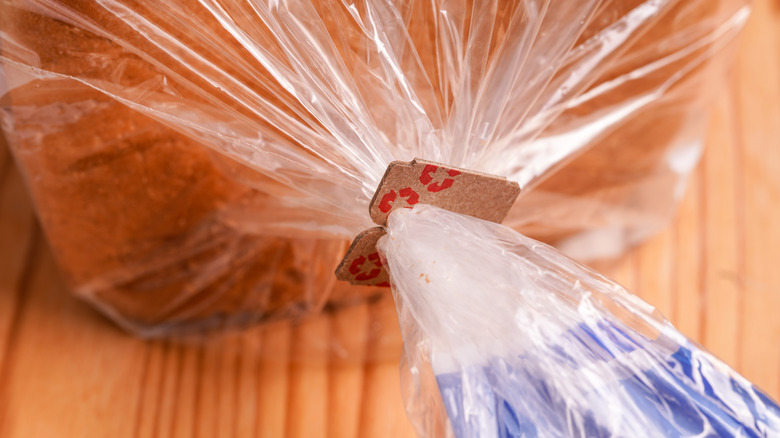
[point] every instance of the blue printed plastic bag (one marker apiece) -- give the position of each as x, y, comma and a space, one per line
507, 337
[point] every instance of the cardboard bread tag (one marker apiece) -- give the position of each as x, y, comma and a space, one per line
362, 264
404, 185
461, 191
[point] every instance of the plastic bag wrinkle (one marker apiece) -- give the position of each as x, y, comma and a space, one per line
508, 336
290, 111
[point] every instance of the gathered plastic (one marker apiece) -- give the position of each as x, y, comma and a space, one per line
505, 336
197, 163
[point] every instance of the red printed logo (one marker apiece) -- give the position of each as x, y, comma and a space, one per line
386, 204
356, 268
409, 197
426, 178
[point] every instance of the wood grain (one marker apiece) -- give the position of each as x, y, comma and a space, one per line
756, 103
65, 371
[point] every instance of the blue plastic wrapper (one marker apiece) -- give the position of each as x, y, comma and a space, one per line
678, 395
507, 337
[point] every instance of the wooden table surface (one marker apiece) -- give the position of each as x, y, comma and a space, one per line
67, 372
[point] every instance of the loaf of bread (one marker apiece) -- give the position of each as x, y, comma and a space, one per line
134, 205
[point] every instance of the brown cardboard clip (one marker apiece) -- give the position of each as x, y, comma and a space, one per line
404, 185
461, 191
362, 264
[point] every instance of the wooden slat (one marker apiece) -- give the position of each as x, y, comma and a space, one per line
655, 269
689, 258
145, 424
274, 382
307, 413
721, 292
69, 371
383, 415
245, 392
346, 377
757, 98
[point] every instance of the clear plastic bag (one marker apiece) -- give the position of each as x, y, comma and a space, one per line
506, 337
204, 162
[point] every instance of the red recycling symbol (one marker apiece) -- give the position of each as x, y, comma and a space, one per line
356, 268
412, 197
426, 178
387, 201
